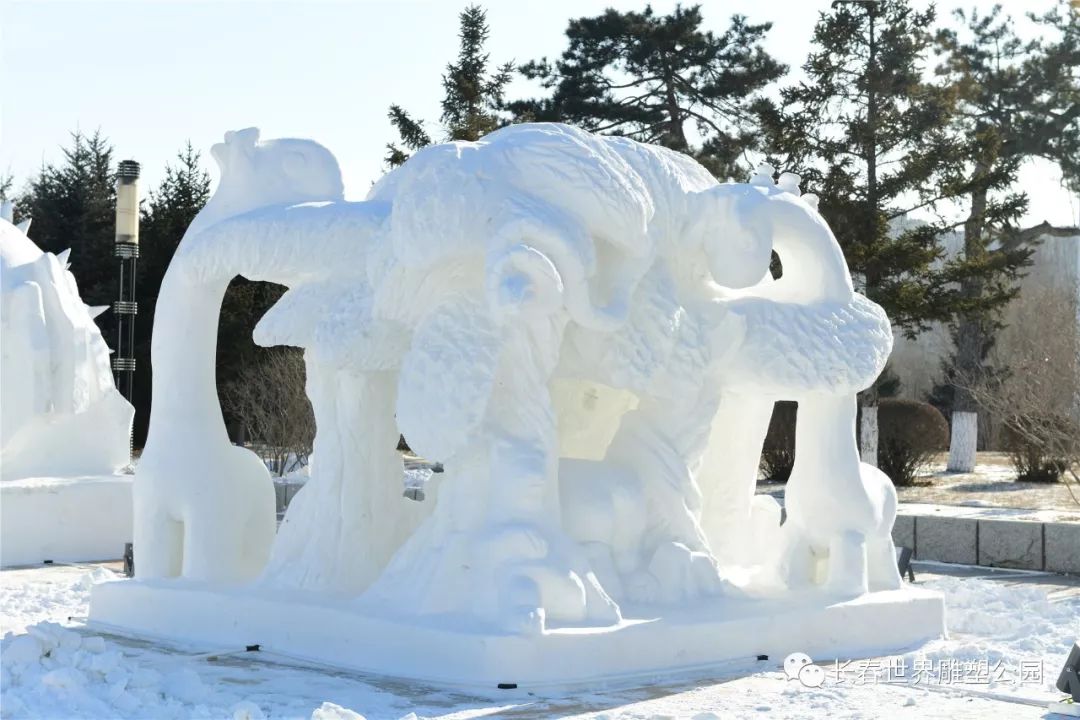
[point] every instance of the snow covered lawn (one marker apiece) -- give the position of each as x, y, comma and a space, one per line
1010, 633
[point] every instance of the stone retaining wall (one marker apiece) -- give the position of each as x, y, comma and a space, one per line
1028, 544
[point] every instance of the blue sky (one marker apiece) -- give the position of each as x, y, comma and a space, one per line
154, 74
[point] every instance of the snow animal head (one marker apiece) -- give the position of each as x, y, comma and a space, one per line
739, 225
61, 412
737, 244
274, 172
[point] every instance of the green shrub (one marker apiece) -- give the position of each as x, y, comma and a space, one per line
909, 433
1041, 448
778, 453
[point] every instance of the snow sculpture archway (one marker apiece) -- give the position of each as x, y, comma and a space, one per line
470, 282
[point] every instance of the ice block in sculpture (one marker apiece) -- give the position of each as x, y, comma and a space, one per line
583, 330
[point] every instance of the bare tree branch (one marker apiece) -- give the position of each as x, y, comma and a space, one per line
270, 399
1037, 397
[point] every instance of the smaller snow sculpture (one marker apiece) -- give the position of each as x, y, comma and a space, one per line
64, 430
62, 415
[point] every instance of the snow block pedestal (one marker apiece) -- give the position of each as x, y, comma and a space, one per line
68, 519
311, 628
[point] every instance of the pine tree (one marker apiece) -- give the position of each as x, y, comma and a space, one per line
471, 99
1017, 100
244, 304
472, 94
653, 77
72, 205
168, 211
869, 136
413, 136
166, 214
1054, 130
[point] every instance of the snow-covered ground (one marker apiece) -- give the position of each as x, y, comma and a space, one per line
1010, 634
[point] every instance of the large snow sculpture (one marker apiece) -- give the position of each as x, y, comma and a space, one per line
63, 419
585, 332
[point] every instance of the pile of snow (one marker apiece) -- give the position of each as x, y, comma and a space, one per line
55, 593
84, 675
1013, 624
54, 671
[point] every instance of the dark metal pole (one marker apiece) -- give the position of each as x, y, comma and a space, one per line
127, 250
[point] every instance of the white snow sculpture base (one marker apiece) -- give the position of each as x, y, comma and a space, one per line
69, 519
317, 628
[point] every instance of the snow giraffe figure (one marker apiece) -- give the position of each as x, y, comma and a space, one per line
278, 216
205, 509
811, 338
